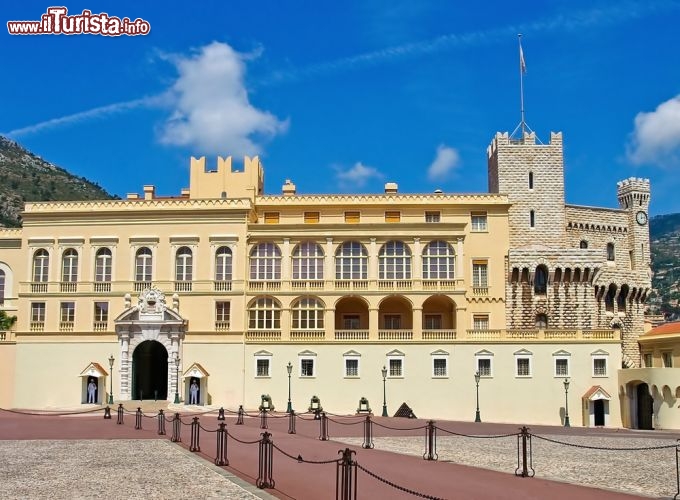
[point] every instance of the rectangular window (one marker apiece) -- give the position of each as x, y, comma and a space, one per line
648, 359
222, 311
599, 367
262, 367
433, 217
480, 322
37, 311
392, 321
352, 217
101, 311
271, 217
484, 366
350, 322
392, 216
480, 274
561, 367
68, 311
439, 367
523, 366
311, 217
396, 367
433, 322
306, 367
479, 222
351, 367
667, 358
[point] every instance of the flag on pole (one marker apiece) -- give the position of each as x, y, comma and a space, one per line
522, 64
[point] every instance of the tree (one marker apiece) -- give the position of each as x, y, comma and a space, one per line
6, 321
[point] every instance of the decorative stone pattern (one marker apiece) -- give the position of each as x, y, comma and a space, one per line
596, 260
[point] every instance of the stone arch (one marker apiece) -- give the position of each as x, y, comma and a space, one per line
443, 307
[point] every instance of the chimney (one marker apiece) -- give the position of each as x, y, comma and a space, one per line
149, 192
289, 188
132, 196
391, 188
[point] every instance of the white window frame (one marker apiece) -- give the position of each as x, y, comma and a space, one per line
439, 261
351, 261
308, 262
394, 261
307, 311
565, 357
480, 279
264, 262
480, 317
67, 311
103, 315
486, 356
667, 355
604, 357
103, 265
307, 357
347, 358
433, 216
524, 356
648, 359
479, 222
396, 357
439, 356
268, 359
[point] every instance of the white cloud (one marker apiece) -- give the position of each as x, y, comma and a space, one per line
211, 112
656, 138
445, 161
357, 176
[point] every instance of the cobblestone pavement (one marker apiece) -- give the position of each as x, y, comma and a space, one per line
647, 473
149, 469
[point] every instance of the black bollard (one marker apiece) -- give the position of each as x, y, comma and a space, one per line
176, 429
221, 458
120, 414
138, 419
220, 414
107, 413
368, 433
526, 467
195, 434
161, 423
346, 476
291, 422
265, 465
323, 427
430, 442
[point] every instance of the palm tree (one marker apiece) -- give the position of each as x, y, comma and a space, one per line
6, 321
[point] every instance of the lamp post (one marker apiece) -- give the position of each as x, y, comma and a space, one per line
289, 367
111, 360
176, 380
477, 416
384, 375
566, 402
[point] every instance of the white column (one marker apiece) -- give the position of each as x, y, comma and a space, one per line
460, 259
329, 261
285, 260
373, 260
416, 264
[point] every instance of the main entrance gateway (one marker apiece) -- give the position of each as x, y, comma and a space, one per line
150, 336
150, 371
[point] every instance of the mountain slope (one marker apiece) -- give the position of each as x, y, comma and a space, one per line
665, 246
27, 177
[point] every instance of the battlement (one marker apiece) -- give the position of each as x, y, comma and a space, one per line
225, 181
633, 184
633, 192
529, 139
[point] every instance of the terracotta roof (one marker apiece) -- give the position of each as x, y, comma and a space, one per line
589, 393
664, 329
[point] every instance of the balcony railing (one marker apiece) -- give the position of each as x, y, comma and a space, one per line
439, 334
351, 334
395, 284
66, 326
351, 284
263, 335
68, 287
221, 326
264, 285
142, 285
395, 334
480, 290
38, 287
183, 286
222, 286
102, 286
439, 284
37, 326
307, 335
100, 326
307, 285
541, 335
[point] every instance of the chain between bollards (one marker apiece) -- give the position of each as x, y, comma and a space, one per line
525, 467
221, 458
120, 414
265, 459
176, 429
161, 423
430, 441
138, 418
195, 434
323, 427
291, 422
368, 433
239, 418
346, 476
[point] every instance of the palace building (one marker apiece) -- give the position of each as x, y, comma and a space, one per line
227, 286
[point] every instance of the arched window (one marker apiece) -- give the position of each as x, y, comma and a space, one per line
143, 264
102, 265
2, 287
621, 299
541, 321
541, 280
223, 259
438, 261
265, 262
514, 277
394, 261
69, 267
531, 180
308, 314
532, 219
184, 264
41, 264
351, 261
583, 244
264, 314
308, 261
609, 298
611, 255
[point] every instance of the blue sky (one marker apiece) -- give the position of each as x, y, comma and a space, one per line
343, 97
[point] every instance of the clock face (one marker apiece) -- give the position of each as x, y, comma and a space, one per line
641, 218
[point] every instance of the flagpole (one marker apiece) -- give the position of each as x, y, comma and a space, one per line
521, 85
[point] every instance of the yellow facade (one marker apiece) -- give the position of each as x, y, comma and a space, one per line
236, 284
